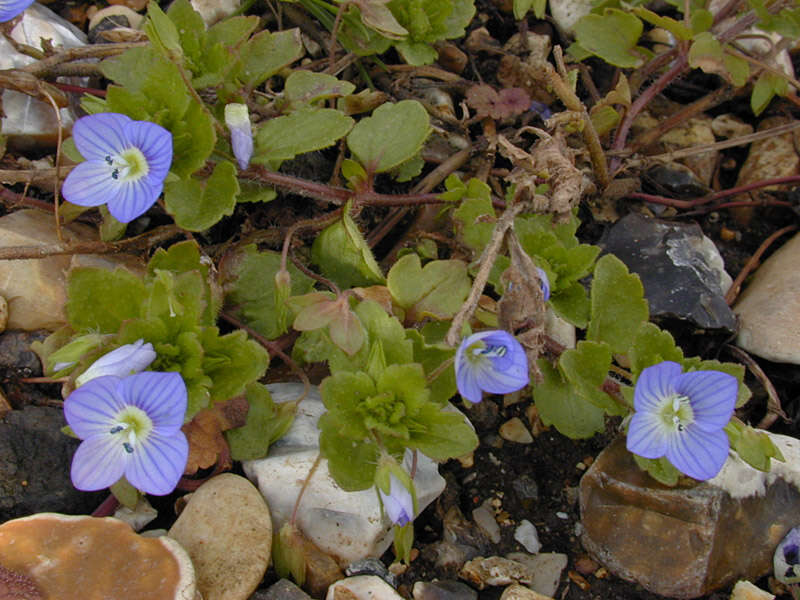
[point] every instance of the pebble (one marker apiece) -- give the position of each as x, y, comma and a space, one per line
81, 557
744, 590
346, 525
227, 531
371, 566
362, 587
484, 518
672, 536
282, 589
514, 430
566, 13
495, 571
769, 307
520, 592
527, 535
215, 10
443, 590
546, 569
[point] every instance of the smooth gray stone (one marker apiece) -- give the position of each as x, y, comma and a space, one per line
281, 590
443, 590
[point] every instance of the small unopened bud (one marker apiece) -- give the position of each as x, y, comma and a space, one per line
238, 121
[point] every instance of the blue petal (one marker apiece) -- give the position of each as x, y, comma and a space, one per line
92, 409
132, 199
155, 142
654, 385
697, 453
467, 383
98, 462
648, 436
496, 375
101, 135
712, 395
161, 395
495, 381
157, 463
10, 8
89, 184
398, 504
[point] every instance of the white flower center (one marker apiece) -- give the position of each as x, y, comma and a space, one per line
489, 351
128, 165
131, 427
677, 412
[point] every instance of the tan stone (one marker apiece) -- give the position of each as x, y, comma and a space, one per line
514, 430
769, 307
81, 557
35, 289
227, 530
744, 590
520, 592
684, 542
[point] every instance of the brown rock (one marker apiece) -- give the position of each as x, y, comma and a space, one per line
79, 558
686, 541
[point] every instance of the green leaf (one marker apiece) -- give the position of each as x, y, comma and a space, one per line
702, 20
651, 346
677, 28
375, 14
162, 33
248, 280
475, 217
266, 53
392, 135
232, 361
196, 206
193, 139
100, 300
344, 256
307, 87
618, 307
659, 469
416, 53
305, 130
436, 290
753, 446
560, 405
266, 423
232, 32
431, 357
572, 304
764, 90
612, 36
521, 8
586, 368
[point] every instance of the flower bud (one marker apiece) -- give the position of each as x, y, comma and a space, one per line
238, 121
125, 360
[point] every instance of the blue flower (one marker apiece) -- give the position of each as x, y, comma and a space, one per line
125, 167
130, 427
544, 282
11, 8
238, 121
398, 503
125, 360
681, 416
492, 361
786, 561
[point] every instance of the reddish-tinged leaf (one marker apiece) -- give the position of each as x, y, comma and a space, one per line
497, 105
204, 433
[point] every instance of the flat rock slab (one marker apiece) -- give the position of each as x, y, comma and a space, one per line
227, 530
684, 542
681, 270
347, 525
769, 307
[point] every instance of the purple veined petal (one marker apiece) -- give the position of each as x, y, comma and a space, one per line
654, 384
155, 142
101, 135
648, 436
398, 503
92, 409
11, 8
89, 184
544, 283
494, 381
712, 395
162, 396
98, 463
467, 384
697, 453
132, 199
157, 463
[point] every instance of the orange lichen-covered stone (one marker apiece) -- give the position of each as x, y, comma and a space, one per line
88, 558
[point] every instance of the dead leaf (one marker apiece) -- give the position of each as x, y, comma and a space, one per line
204, 433
497, 105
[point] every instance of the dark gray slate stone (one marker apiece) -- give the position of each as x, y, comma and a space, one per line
35, 459
281, 590
676, 264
